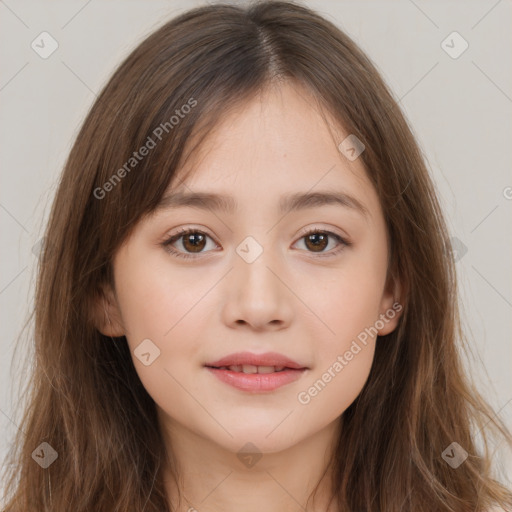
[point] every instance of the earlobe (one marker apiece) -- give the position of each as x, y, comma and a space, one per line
391, 309
107, 317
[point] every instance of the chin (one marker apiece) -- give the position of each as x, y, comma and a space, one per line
263, 438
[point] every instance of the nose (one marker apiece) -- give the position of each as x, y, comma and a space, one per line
256, 295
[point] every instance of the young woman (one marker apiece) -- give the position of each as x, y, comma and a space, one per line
247, 297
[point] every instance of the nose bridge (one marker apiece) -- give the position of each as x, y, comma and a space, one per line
252, 262
255, 294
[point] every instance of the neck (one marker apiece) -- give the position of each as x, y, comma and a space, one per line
212, 478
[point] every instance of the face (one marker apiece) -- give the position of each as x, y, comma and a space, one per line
306, 282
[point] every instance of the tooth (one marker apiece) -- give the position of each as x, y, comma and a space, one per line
235, 368
279, 368
249, 368
266, 369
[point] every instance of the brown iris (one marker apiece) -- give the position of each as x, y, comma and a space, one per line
196, 241
318, 240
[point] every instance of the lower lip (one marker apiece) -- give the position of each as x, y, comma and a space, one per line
257, 381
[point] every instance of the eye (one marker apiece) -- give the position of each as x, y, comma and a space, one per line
317, 240
192, 240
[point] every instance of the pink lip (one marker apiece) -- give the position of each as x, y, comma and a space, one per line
266, 359
256, 382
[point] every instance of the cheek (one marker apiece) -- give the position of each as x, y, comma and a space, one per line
335, 386
348, 305
159, 310
344, 351
345, 301
155, 299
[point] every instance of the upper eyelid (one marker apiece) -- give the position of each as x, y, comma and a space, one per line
303, 232
186, 231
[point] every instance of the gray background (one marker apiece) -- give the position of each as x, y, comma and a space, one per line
459, 109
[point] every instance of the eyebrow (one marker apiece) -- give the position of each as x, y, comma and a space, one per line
287, 203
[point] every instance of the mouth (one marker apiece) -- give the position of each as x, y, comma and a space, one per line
256, 373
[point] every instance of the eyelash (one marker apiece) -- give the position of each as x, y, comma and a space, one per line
168, 243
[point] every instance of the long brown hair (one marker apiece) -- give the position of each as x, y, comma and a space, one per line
84, 397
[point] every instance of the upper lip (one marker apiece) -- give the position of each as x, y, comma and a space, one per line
248, 358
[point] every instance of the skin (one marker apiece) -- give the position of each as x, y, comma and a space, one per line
290, 300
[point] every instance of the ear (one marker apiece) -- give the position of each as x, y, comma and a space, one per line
391, 307
107, 316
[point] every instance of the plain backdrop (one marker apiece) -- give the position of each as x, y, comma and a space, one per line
459, 109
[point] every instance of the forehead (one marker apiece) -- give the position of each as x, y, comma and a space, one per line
276, 144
